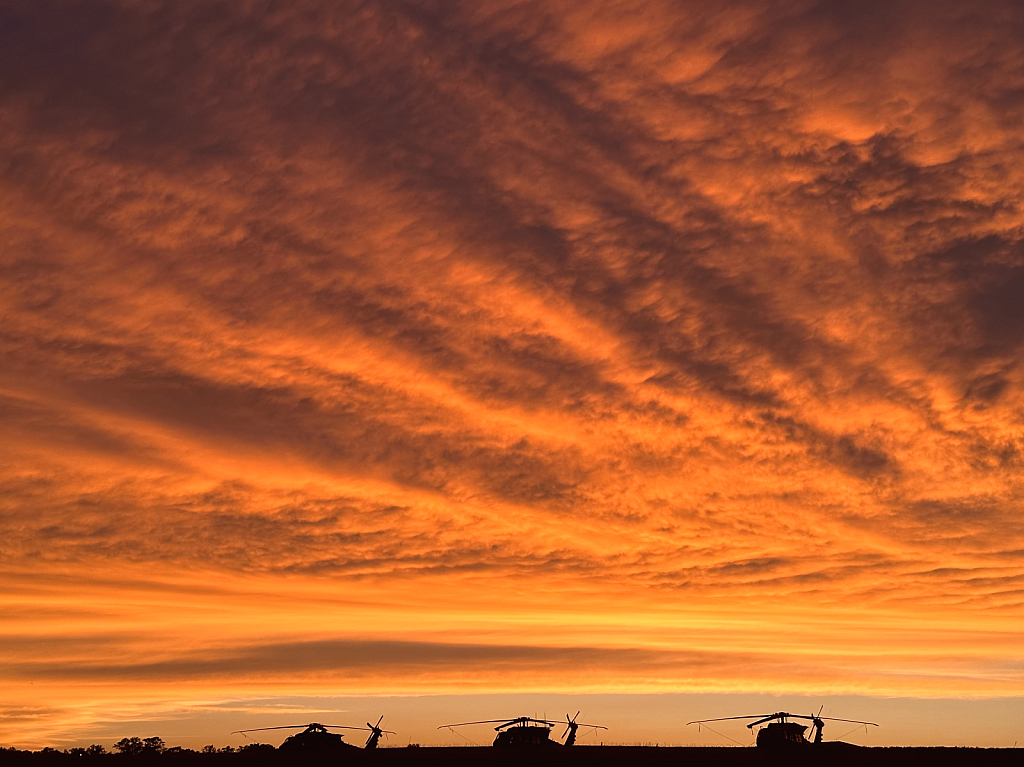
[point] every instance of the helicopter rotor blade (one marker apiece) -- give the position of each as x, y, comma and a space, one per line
812, 718
852, 721
519, 720
482, 721
726, 718
768, 717
299, 727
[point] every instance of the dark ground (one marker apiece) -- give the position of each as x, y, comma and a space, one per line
579, 756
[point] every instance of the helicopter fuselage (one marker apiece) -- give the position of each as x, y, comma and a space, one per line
315, 738
782, 735
528, 735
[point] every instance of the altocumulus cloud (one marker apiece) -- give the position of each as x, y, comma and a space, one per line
634, 316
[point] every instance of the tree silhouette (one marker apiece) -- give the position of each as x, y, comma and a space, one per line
139, 746
256, 748
129, 746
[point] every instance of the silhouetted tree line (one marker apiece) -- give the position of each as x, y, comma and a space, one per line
134, 749
152, 752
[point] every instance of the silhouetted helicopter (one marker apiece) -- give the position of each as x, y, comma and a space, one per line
526, 731
782, 734
315, 736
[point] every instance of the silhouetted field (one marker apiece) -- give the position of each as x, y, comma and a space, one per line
579, 756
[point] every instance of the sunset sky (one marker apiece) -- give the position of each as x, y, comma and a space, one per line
656, 359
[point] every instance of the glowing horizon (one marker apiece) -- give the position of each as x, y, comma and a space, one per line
508, 348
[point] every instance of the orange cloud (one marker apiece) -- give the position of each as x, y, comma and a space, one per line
444, 347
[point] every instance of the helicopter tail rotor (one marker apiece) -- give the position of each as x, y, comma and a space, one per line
570, 724
375, 733
570, 730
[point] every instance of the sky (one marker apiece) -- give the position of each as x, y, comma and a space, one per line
441, 358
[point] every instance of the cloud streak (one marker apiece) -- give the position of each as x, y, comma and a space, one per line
703, 323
